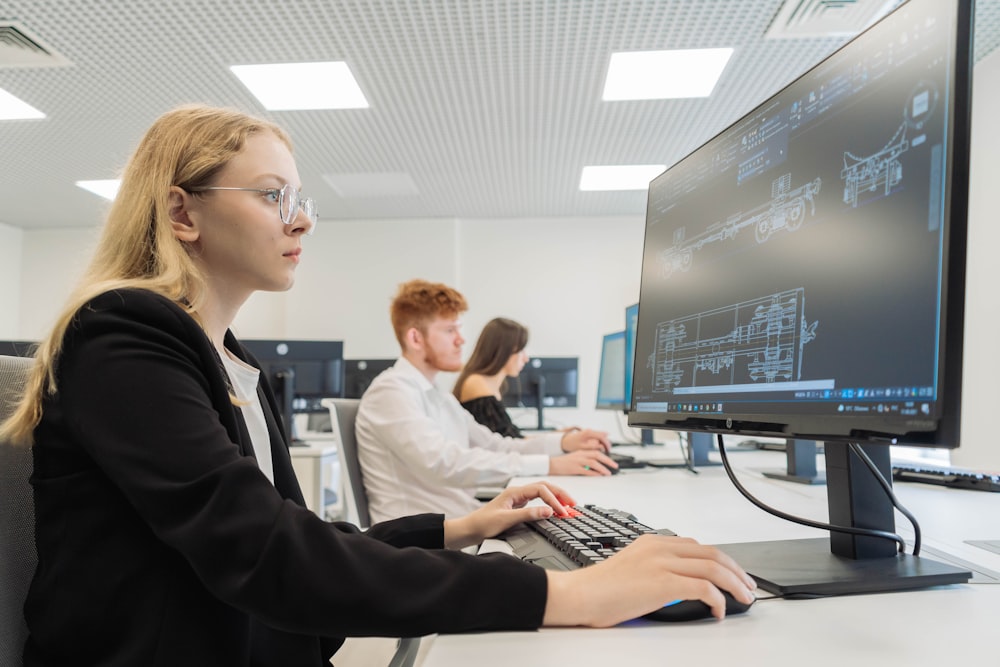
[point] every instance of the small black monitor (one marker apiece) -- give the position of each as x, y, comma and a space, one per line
803, 277
611, 380
301, 373
17, 348
544, 382
359, 373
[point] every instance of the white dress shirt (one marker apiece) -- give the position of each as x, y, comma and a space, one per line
244, 379
421, 451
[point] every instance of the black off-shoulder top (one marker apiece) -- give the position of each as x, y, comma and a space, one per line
490, 412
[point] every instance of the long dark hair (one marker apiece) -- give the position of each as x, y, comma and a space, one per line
499, 339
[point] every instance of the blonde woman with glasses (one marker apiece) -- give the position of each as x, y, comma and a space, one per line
169, 525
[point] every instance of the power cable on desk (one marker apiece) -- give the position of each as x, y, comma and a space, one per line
851, 530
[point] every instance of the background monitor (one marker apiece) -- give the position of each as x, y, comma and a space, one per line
611, 380
803, 277
301, 373
359, 373
631, 322
17, 348
544, 382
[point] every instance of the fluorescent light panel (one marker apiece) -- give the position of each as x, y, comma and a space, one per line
619, 177
13, 108
295, 86
652, 75
107, 188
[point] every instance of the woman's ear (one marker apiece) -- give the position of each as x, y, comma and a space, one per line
178, 207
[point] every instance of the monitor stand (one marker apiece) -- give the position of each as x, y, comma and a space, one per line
699, 446
801, 463
285, 396
540, 402
845, 564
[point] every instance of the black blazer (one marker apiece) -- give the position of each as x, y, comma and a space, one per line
160, 542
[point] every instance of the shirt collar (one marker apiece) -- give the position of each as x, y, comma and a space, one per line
404, 366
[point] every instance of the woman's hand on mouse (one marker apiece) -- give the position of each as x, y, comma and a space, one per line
651, 572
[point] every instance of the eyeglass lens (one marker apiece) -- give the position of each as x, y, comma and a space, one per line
290, 201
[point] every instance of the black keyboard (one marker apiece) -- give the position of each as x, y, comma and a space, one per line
589, 535
951, 477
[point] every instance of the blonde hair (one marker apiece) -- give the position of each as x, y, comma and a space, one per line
185, 147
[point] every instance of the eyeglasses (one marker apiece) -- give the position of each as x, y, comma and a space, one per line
290, 202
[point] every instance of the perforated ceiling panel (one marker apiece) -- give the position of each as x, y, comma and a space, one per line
479, 108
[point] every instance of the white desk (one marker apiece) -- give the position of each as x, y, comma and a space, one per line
914, 628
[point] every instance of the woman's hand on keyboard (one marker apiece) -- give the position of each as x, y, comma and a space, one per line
651, 572
508, 509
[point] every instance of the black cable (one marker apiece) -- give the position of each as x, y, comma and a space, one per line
686, 452
851, 530
887, 487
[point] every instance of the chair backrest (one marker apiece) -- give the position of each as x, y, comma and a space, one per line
343, 414
17, 520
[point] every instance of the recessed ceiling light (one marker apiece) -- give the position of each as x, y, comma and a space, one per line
291, 86
372, 184
653, 75
13, 108
619, 177
107, 188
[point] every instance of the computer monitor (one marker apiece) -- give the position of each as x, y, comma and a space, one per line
631, 321
301, 373
611, 380
803, 277
359, 373
544, 382
17, 348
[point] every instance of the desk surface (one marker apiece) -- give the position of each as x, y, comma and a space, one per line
925, 627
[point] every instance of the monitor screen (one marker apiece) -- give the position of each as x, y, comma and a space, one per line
803, 271
301, 373
17, 348
803, 277
544, 382
611, 381
552, 378
359, 373
631, 322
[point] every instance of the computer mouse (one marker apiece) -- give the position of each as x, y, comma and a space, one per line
693, 610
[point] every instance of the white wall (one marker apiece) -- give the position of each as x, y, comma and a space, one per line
52, 262
981, 387
567, 280
10, 281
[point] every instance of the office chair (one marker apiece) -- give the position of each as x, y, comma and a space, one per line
343, 413
17, 520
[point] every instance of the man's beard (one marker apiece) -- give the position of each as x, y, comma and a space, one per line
432, 359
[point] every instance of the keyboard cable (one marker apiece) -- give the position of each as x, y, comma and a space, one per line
828, 526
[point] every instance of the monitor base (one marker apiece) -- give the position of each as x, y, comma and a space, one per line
818, 479
807, 568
